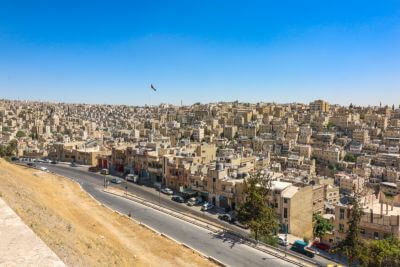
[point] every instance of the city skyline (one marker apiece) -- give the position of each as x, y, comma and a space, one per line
264, 52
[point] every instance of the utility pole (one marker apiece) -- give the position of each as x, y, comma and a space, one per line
286, 243
159, 196
126, 186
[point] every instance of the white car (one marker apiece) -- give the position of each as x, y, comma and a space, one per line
194, 201
167, 191
282, 241
44, 169
207, 206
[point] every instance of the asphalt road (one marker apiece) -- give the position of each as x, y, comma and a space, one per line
219, 246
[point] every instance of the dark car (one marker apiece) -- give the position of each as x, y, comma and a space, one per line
30, 164
178, 199
93, 169
54, 162
73, 164
321, 246
226, 217
301, 247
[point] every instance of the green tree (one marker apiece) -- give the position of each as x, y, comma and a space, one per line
352, 245
320, 226
20, 134
350, 157
330, 125
379, 253
256, 211
8, 150
12, 148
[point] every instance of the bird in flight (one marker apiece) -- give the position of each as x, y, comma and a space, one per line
153, 88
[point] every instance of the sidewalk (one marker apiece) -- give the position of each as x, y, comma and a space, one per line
19, 245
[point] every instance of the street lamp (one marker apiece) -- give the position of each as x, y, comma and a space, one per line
159, 196
286, 243
126, 185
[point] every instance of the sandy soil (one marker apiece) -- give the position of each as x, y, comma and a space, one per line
79, 230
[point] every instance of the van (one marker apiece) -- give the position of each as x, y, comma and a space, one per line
134, 178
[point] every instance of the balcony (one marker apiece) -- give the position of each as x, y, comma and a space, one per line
226, 194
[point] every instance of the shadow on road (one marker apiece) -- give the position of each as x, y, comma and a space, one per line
227, 237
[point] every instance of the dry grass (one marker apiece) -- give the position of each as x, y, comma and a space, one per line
81, 232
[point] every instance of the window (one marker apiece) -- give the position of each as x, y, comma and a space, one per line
285, 213
376, 235
276, 204
341, 215
341, 228
285, 200
362, 231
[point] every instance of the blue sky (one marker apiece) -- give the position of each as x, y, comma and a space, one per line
200, 51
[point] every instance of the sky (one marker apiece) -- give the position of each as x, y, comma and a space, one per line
200, 51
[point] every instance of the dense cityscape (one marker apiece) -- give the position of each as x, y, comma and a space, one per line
317, 155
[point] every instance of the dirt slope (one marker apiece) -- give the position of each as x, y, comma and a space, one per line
81, 232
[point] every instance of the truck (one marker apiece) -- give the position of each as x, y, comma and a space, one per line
300, 246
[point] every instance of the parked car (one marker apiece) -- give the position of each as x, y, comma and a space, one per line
116, 181
31, 164
207, 206
44, 169
194, 201
134, 178
301, 247
320, 245
226, 217
73, 164
282, 241
178, 199
54, 162
167, 191
104, 171
93, 169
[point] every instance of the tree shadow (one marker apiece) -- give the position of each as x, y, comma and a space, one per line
229, 238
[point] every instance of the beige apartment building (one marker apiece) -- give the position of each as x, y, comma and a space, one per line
230, 131
318, 199
350, 183
319, 106
379, 221
294, 207
331, 193
331, 155
361, 136
76, 152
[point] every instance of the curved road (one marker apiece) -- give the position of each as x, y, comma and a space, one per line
219, 246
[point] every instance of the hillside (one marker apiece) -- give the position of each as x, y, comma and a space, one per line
79, 230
